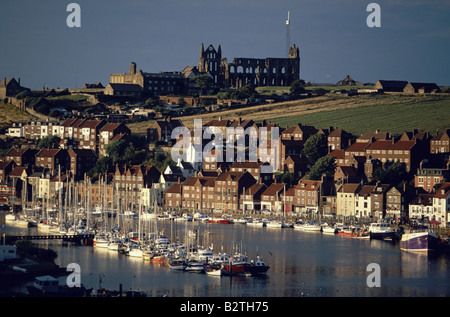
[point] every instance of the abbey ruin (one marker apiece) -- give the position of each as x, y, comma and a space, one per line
223, 75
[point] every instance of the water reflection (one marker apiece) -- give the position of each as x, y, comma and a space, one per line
302, 264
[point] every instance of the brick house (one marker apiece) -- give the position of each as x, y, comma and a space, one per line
440, 143
21, 156
87, 134
338, 139
81, 161
173, 196
52, 159
431, 173
379, 200
254, 168
271, 198
355, 150
198, 193
307, 196
129, 180
298, 165
109, 132
406, 152
161, 130
228, 188
5, 169
251, 198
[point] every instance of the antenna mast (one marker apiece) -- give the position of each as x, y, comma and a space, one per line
288, 34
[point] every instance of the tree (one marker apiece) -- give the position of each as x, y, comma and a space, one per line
49, 142
394, 174
316, 147
324, 166
287, 178
115, 150
203, 82
105, 164
297, 86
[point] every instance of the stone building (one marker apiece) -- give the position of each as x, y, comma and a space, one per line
9, 87
255, 71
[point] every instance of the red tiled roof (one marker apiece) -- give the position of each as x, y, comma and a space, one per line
357, 147
403, 145
442, 192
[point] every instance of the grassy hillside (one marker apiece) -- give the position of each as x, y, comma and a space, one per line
10, 114
393, 113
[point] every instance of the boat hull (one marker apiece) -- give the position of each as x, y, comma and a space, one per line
382, 235
418, 242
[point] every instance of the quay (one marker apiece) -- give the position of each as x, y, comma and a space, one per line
85, 239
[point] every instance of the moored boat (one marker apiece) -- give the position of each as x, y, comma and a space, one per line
214, 269
310, 226
177, 264
419, 241
195, 267
258, 266
329, 229
218, 220
381, 231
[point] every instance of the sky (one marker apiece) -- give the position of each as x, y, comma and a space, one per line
37, 46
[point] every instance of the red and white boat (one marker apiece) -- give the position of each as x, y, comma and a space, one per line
238, 265
218, 220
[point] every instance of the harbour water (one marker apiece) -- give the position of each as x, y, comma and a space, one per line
309, 264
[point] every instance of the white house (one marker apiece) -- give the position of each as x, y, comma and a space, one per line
441, 204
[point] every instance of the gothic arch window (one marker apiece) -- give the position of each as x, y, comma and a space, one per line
240, 69
283, 70
232, 69
265, 71
274, 70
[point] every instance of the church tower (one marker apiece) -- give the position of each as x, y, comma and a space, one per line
209, 62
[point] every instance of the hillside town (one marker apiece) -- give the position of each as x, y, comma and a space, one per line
317, 173
300, 169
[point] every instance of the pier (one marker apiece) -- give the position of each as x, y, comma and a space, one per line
85, 239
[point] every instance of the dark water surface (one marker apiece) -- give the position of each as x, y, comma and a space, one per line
310, 264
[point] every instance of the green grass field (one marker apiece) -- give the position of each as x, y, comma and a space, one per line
427, 113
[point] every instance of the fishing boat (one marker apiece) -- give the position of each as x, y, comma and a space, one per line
381, 231
345, 231
238, 265
49, 286
213, 269
419, 241
258, 266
